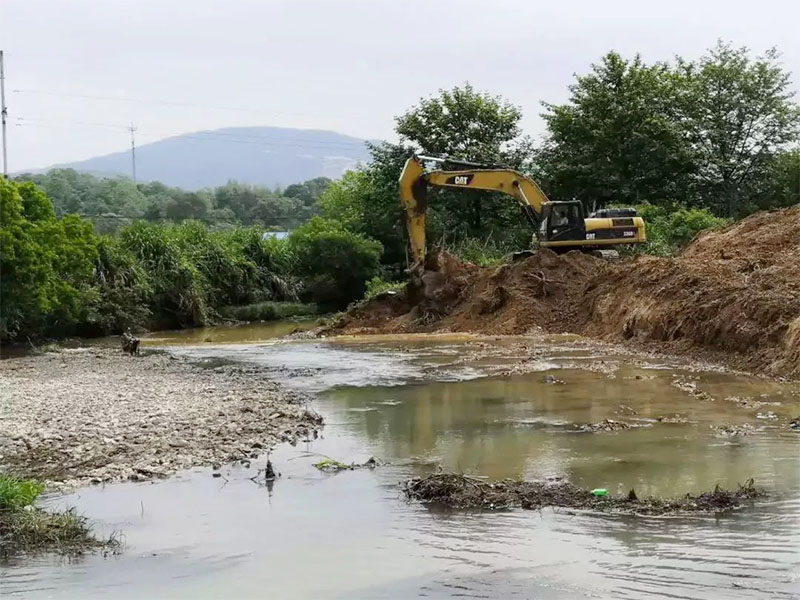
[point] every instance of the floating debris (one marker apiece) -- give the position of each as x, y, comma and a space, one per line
733, 430
690, 387
462, 491
606, 425
329, 465
676, 418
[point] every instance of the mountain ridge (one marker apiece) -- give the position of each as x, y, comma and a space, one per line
263, 155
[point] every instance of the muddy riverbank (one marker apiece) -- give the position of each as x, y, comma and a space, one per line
732, 296
96, 415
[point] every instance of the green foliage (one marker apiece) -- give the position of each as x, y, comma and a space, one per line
712, 133
484, 253
269, 311
618, 137
334, 262
669, 230
739, 113
114, 202
467, 124
121, 296
46, 264
378, 285
462, 123
16, 494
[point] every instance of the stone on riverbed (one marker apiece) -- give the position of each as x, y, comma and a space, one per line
103, 417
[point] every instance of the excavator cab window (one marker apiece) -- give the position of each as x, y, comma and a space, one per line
563, 221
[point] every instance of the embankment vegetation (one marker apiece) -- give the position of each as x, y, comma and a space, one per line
26, 528
60, 278
692, 145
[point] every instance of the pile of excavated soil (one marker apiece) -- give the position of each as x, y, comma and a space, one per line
732, 295
89, 416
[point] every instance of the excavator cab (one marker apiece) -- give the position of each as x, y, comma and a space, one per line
562, 221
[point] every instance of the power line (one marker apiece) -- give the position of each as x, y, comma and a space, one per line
256, 140
271, 140
156, 101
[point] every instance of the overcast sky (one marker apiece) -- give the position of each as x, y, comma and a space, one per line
344, 65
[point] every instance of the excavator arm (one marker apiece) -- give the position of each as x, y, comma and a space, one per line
414, 183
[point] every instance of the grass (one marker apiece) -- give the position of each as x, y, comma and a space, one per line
376, 286
26, 528
269, 311
16, 494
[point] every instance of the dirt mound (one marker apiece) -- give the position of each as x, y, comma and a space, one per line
733, 293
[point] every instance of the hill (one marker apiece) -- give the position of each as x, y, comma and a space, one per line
267, 156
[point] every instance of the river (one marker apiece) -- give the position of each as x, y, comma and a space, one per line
496, 407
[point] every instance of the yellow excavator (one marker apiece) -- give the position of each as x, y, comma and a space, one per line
560, 226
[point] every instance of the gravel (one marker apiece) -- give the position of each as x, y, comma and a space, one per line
96, 415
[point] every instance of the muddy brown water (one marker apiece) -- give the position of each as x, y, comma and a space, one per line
418, 403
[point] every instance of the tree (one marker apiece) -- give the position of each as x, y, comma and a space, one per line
476, 126
618, 139
705, 133
367, 202
462, 123
186, 205
309, 191
335, 263
739, 115
46, 264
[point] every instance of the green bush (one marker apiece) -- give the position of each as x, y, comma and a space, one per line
377, 285
179, 287
334, 263
122, 295
670, 230
16, 494
269, 311
46, 264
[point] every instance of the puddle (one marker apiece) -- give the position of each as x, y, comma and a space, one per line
417, 404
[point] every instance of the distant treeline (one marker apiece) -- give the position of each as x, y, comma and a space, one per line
59, 278
113, 202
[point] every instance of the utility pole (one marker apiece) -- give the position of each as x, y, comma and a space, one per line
3, 114
133, 154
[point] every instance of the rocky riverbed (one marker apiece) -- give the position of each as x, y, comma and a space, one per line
96, 415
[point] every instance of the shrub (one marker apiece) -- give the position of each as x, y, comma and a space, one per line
669, 230
268, 311
334, 263
16, 494
179, 287
122, 295
377, 285
46, 264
